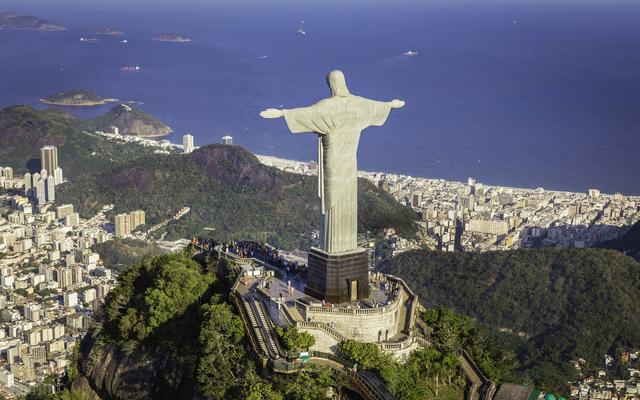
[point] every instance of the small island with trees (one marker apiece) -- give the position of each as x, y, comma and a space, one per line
172, 37
107, 31
76, 98
10, 21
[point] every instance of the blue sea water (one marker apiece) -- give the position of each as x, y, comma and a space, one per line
515, 93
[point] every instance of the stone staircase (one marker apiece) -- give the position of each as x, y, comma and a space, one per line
480, 388
295, 313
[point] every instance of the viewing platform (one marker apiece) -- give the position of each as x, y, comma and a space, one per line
269, 292
386, 317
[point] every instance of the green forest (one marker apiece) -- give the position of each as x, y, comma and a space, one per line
182, 307
564, 304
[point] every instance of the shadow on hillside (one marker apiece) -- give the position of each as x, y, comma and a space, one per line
34, 165
570, 236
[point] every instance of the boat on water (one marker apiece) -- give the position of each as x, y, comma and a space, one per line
130, 68
89, 40
125, 41
410, 53
301, 30
263, 57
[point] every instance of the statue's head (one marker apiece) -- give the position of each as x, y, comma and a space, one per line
337, 83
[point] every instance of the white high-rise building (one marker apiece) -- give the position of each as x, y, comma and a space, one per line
27, 182
72, 219
226, 139
70, 299
136, 218
122, 224
41, 192
187, 143
51, 189
49, 158
35, 178
115, 130
58, 175
8, 173
64, 210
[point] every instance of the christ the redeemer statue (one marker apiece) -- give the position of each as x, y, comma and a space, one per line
338, 122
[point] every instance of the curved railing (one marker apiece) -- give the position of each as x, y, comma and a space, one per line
320, 325
389, 308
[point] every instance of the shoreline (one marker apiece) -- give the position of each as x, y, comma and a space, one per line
363, 174
284, 163
87, 104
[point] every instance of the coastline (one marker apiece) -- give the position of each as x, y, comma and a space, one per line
84, 104
291, 165
282, 163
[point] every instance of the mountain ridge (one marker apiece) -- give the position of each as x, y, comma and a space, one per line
226, 187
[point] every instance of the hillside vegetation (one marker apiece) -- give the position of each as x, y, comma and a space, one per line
226, 187
569, 303
24, 130
229, 190
119, 254
169, 331
169, 319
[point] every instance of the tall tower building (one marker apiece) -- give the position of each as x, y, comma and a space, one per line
51, 189
49, 158
187, 143
226, 139
136, 218
27, 183
122, 223
41, 192
35, 178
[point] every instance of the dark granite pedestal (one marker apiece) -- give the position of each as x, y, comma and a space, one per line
338, 277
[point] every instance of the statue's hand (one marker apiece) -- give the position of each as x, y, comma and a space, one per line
395, 103
272, 113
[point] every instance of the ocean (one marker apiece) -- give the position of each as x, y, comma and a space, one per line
514, 93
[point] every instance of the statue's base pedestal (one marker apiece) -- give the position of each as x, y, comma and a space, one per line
338, 277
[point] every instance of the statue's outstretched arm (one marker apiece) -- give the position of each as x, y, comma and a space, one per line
272, 113
395, 103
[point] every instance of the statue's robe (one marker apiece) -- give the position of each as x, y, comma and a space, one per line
338, 122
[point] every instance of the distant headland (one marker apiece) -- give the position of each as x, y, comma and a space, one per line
107, 31
10, 21
172, 37
78, 98
130, 121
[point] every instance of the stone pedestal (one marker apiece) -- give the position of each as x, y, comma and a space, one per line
338, 277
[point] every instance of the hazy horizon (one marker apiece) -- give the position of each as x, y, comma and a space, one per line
514, 93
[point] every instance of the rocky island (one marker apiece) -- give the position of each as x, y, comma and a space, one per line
172, 37
10, 21
131, 121
80, 98
107, 31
